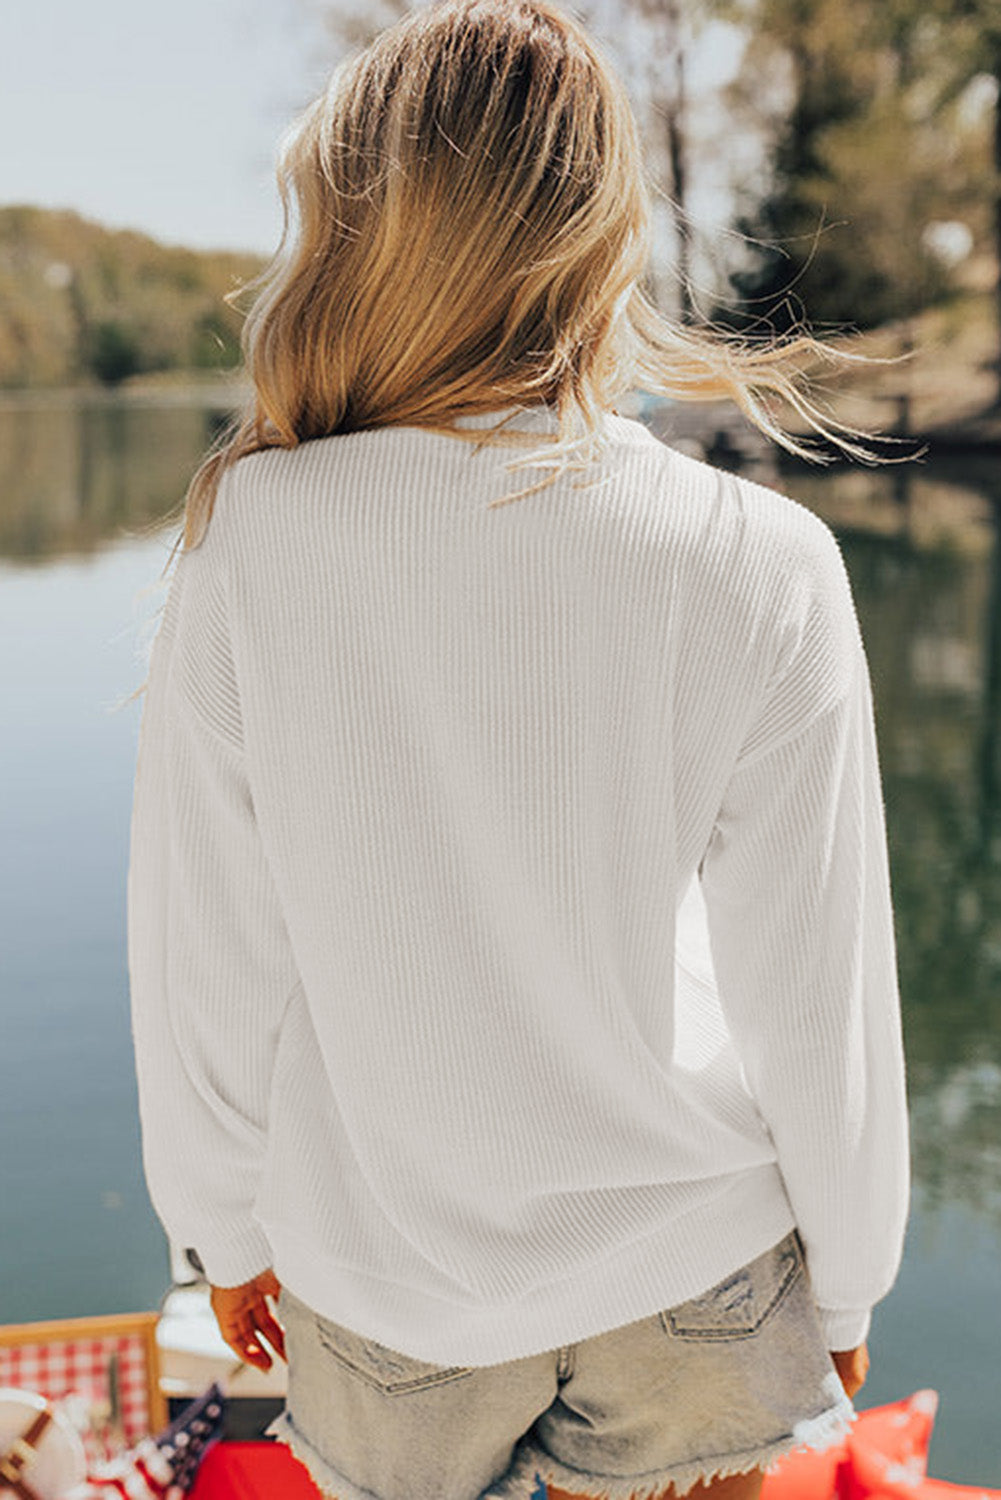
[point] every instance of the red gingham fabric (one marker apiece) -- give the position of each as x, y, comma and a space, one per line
80, 1367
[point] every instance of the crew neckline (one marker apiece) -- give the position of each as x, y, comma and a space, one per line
543, 418
538, 414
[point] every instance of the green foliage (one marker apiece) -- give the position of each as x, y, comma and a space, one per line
114, 352
79, 302
871, 145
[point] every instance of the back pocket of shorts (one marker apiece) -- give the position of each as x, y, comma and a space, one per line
739, 1305
387, 1370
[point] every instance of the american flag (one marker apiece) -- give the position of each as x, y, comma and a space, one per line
162, 1467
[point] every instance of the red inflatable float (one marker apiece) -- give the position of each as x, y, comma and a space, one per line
884, 1457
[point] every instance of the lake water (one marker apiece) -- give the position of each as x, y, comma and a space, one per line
80, 488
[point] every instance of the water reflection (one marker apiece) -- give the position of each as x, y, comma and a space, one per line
923, 548
74, 475
927, 580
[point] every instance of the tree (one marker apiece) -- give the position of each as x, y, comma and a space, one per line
79, 301
114, 351
650, 41
965, 38
868, 151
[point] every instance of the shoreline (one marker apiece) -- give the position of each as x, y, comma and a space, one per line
716, 424
211, 391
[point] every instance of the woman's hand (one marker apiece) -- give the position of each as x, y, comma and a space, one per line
244, 1317
852, 1366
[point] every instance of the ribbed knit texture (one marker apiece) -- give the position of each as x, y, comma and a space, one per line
510, 939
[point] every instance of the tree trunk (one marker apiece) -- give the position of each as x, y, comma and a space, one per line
996, 74
677, 148
990, 745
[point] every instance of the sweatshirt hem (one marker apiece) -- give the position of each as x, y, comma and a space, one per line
659, 1270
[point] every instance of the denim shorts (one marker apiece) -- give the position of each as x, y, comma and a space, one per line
719, 1385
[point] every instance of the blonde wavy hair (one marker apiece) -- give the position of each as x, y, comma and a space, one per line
467, 223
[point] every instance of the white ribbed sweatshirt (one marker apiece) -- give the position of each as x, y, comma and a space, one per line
510, 940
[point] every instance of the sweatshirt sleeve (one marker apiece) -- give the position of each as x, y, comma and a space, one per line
210, 964
797, 892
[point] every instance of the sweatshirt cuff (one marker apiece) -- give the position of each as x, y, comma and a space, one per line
234, 1260
845, 1327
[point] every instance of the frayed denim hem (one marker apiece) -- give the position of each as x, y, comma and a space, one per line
333, 1484
534, 1464
326, 1478
533, 1468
